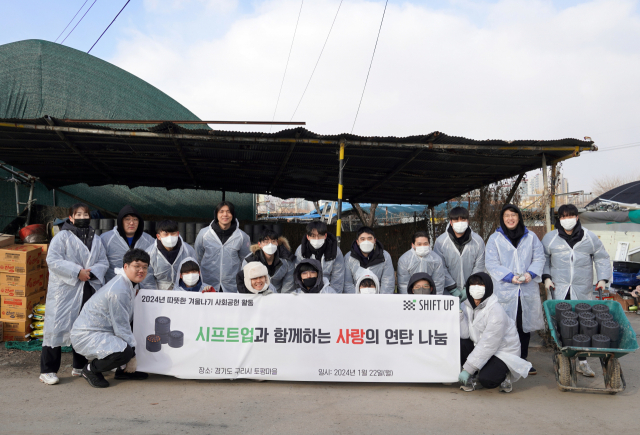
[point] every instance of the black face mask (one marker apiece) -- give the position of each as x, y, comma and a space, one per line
309, 282
82, 223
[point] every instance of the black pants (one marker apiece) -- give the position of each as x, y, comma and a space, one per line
112, 361
493, 372
525, 337
51, 357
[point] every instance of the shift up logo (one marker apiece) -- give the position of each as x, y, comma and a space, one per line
410, 305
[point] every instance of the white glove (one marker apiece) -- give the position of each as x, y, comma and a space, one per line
132, 365
601, 284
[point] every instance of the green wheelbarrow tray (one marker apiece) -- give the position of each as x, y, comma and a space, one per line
564, 358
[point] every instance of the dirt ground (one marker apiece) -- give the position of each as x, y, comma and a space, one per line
163, 404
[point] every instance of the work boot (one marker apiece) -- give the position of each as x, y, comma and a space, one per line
532, 371
583, 367
95, 379
121, 375
505, 386
49, 378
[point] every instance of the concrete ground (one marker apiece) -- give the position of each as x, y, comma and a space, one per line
161, 405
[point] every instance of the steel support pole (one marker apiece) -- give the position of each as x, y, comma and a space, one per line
340, 169
545, 182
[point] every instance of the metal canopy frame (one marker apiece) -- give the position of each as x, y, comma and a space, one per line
427, 169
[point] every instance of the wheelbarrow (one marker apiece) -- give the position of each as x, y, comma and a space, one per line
565, 357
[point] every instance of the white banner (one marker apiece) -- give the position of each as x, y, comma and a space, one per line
318, 337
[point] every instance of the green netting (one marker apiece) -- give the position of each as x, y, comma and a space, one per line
39, 78
30, 346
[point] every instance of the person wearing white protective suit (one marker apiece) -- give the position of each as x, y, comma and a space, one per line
308, 278
514, 258
274, 252
461, 250
489, 342
368, 253
254, 279
77, 264
318, 243
367, 283
103, 332
420, 258
189, 279
571, 253
220, 249
166, 255
128, 234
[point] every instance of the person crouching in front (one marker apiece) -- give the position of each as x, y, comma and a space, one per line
102, 333
254, 278
189, 278
308, 278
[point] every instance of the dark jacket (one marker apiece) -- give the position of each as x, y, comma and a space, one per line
329, 250
128, 210
488, 288
298, 284
375, 257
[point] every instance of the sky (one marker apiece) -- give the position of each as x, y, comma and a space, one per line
506, 69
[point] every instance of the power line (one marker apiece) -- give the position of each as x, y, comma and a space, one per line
318, 61
74, 27
287, 64
105, 30
74, 17
621, 147
372, 56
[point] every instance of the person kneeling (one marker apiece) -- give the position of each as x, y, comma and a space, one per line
254, 278
102, 333
189, 279
489, 343
308, 278
367, 283
422, 284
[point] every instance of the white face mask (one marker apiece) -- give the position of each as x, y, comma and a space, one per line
366, 246
460, 227
476, 291
317, 244
569, 224
270, 249
423, 250
191, 279
169, 241
368, 290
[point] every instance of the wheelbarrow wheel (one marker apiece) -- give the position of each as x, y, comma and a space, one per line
564, 371
613, 372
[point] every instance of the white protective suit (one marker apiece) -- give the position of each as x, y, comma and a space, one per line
573, 268
367, 274
104, 326
66, 257
382, 267
219, 264
493, 333
501, 259
459, 267
161, 274
411, 263
116, 247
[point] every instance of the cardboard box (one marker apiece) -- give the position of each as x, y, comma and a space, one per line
20, 258
22, 285
15, 336
6, 240
22, 303
22, 326
45, 248
1, 330
13, 314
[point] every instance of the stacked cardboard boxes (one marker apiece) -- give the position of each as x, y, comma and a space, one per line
23, 284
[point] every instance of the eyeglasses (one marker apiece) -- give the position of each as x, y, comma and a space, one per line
139, 268
510, 215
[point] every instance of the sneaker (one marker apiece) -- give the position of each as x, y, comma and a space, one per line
135, 376
472, 385
505, 386
96, 380
76, 372
532, 371
49, 378
583, 367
